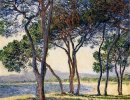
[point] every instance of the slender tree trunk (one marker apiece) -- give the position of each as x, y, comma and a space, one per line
121, 85
120, 71
71, 67
40, 91
72, 80
72, 75
100, 61
70, 70
57, 77
45, 32
78, 77
118, 79
121, 79
120, 88
107, 64
70, 63
72, 83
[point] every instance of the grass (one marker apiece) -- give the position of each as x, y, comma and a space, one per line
87, 97
54, 96
21, 97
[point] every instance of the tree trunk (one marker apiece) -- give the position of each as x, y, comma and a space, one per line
120, 88
72, 73
71, 68
57, 77
121, 79
45, 30
40, 91
118, 79
107, 64
78, 77
72, 80
100, 61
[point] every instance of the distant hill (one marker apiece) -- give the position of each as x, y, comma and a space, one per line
29, 76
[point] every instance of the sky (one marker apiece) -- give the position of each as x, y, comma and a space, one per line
56, 58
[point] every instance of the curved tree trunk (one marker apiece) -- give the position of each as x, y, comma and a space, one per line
45, 30
71, 67
78, 77
40, 89
118, 79
57, 77
100, 61
107, 64
72, 74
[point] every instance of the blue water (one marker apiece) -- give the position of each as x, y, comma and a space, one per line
7, 90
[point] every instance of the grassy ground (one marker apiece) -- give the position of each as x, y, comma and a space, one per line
112, 88
70, 97
87, 97
22, 97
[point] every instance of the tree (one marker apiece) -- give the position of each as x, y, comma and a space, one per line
12, 9
65, 23
15, 56
69, 26
121, 60
106, 12
118, 58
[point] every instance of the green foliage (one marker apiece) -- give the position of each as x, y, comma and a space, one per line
16, 55
2, 27
12, 56
36, 32
121, 48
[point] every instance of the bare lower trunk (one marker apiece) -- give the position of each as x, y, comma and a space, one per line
120, 85
106, 83
121, 80
72, 71
100, 61
41, 91
118, 79
72, 81
77, 73
78, 88
57, 77
120, 89
40, 88
99, 81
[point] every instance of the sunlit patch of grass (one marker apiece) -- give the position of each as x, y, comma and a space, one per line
86, 97
22, 97
54, 96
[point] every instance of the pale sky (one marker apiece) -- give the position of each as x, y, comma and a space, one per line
57, 58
